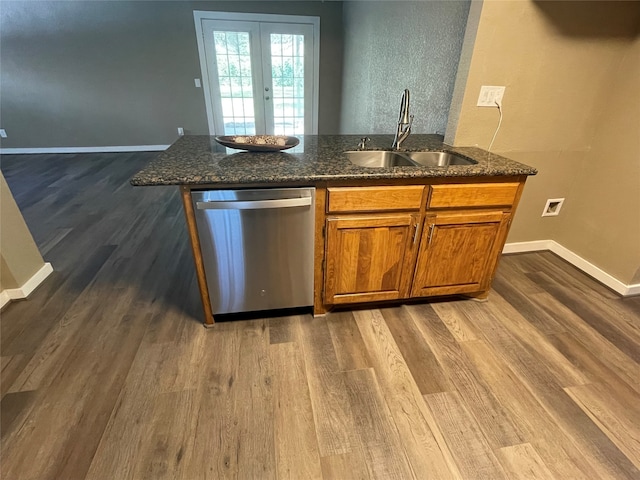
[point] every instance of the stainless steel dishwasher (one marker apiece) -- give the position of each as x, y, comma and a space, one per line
257, 247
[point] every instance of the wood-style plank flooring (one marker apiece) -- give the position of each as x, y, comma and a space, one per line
107, 372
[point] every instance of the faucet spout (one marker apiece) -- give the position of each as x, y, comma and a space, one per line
404, 107
404, 122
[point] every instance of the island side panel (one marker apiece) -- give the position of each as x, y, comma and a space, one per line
503, 238
484, 294
197, 254
318, 267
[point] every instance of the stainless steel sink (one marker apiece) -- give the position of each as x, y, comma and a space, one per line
438, 159
378, 159
387, 159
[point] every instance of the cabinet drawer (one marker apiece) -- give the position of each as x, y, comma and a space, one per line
473, 195
371, 199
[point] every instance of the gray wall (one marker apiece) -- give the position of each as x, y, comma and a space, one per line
393, 45
117, 73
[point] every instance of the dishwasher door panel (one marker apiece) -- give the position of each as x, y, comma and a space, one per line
257, 247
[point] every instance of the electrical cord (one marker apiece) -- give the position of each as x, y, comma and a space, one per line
498, 127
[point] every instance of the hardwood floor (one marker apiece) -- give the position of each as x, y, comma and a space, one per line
107, 372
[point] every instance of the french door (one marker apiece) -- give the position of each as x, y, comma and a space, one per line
260, 72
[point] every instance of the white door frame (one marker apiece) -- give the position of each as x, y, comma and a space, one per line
200, 15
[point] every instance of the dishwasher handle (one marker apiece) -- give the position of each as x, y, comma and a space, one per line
254, 204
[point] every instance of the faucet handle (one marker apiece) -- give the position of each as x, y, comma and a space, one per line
363, 143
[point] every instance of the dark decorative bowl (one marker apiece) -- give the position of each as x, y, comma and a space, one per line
258, 143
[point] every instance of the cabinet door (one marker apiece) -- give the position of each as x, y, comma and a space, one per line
458, 252
369, 258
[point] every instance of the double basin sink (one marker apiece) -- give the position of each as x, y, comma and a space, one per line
387, 159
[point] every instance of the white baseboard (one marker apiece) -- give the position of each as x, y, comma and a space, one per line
522, 247
28, 287
106, 149
633, 289
577, 261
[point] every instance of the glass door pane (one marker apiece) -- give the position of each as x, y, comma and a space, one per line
288, 73
233, 55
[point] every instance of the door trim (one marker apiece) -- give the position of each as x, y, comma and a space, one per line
200, 15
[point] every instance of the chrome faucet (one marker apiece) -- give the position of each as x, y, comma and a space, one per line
404, 122
362, 144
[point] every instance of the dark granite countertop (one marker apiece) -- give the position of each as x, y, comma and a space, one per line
199, 160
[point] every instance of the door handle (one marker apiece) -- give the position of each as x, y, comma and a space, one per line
254, 204
415, 233
431, 228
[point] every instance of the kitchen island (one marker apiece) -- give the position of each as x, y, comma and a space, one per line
381, 234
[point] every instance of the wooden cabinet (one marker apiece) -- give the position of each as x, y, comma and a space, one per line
473, 195
368, 258
370, 246
402, 241
458, 252
374, 199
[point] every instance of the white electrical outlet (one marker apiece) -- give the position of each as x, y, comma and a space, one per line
490, 96
197, 82
552, 207
3, 133
180, 131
